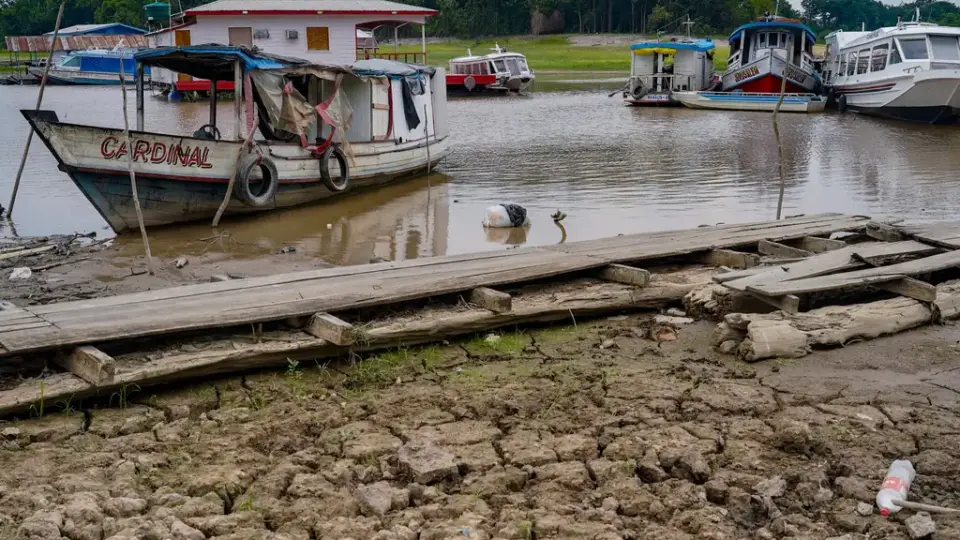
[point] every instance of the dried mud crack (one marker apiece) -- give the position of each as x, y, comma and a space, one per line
537, 434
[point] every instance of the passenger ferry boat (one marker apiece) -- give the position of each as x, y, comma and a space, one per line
764, 52
658, 69
92, 67
501, 70
907, 72
311, 145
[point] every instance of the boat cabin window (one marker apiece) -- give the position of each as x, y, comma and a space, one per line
852, 64
945, 48
895, 56
863, 61
73, 62
523, 65
914, 48
500, 65
878, 59
843, 66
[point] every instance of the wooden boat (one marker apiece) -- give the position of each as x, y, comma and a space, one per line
907, 72
764, 52
314, 145
659, 68
92, 67
748, 101
500, 70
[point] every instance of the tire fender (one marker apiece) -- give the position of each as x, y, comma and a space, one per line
259, 194
336, 185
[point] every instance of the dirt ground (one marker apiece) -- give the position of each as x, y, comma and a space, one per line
581, 432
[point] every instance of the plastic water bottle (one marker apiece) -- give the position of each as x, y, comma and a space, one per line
895, 486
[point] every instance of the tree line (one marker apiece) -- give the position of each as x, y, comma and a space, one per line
475, 18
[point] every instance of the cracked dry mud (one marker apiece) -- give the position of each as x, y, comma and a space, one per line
539, 434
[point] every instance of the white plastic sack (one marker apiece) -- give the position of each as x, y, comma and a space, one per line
20, 273
506, 215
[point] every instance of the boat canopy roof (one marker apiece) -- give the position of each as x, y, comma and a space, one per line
774, 24
216, 62
670, 47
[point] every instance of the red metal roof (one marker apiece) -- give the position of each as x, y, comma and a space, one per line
72, 43
309, 7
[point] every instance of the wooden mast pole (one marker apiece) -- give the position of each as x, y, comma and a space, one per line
43, 85
133, 175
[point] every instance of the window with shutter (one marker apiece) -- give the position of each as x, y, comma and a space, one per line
318, 38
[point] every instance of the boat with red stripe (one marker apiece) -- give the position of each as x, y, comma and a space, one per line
768, 51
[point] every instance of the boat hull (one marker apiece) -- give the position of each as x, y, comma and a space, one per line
183, 179
654, 99
737, 101
766, 76
930, 97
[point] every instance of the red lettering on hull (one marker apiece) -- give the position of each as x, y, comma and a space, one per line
157, 153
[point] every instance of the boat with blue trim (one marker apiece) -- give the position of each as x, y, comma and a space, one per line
660, 68
752, 101
311, 144
765, 52
98, 67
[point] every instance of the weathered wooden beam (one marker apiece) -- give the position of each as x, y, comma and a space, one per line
776, 249
627, 275
787, 303
329, 328
217, 278
495, 301
816, 244
911, 288
90, 364
731, 259
884, 232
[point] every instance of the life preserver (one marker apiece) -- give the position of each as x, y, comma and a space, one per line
340, 184
256, 192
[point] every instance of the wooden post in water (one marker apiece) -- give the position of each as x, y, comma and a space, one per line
213, 104
426, 133
139, 76
43, 85
237, 97
776, 132
133, 175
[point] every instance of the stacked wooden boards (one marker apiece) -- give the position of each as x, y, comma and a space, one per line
248, 301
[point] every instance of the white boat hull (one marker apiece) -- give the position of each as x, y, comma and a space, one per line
741, 101
766, 76
931, 96
184, 179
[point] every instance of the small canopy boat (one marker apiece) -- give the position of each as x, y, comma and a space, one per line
657, 69
325, 130
499, 70
765, 52
99, 67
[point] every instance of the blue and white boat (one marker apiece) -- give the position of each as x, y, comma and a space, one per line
752, 101
93, 67
660, 68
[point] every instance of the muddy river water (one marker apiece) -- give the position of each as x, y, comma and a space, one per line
611, 169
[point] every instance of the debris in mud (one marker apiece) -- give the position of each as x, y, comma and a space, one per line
20, 273
287, 249
920, 526
864, 509
181, 262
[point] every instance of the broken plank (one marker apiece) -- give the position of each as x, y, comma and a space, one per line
494, 300
884, 232
90, 364
26, 252
333, 329
821, 245
831, 262
787, 303
911, 288
626, 275
776, 249
731, 259
869, 276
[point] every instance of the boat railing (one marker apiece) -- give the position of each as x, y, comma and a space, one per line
672, 77
407, 57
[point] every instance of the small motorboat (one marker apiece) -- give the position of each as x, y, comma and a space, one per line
660, 68
500, 71
100, 67
765, 52
752, 101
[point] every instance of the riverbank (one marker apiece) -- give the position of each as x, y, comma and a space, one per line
582, 431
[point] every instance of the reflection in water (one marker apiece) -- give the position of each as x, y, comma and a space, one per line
511, 236
610, 168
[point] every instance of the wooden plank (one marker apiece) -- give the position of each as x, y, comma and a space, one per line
945, 234
823, 264
776, 249
495, 301
884, 232
627, 275
731, 259
431, 325
26, 252
90, 364
911, 288
332, 329
816, 244
870, 276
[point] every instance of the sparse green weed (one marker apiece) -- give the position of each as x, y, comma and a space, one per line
37, 409
123, 395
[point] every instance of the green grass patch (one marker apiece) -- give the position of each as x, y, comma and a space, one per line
552, 53
509, 344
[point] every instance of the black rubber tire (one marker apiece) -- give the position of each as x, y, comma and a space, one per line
340, 184
214, 132
246, 191
640, 92
842, 104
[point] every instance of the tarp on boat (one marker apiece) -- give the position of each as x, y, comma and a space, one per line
379, 67
670, 47
216, 62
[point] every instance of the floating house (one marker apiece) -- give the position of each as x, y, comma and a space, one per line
80, 37
320, 31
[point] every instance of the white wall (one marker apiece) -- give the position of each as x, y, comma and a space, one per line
214, 29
